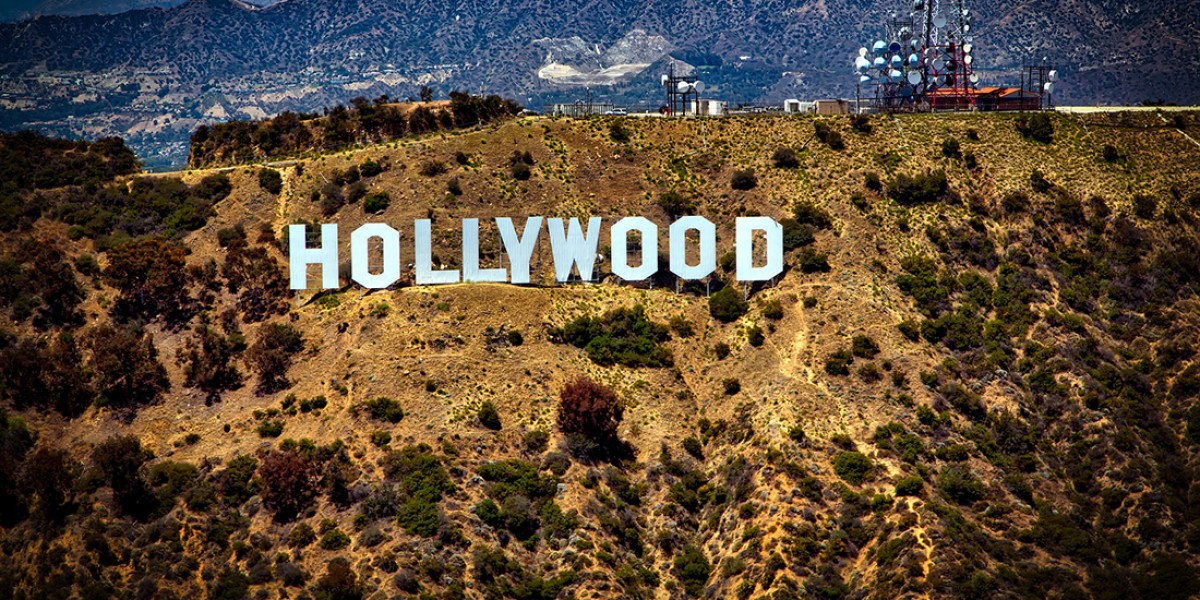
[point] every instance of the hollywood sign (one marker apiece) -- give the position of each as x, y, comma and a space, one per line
571, 247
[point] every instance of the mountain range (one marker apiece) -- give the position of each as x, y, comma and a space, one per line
153, 74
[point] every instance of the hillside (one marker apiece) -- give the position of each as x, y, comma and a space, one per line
154, 75
977, 377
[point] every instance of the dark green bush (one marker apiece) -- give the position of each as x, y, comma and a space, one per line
754, 336
692, 569
624, 336
852, 466
743, 180
839, 362
910, 486
270, 180
1037, 127
384, 409
785, 158
863, 346
488, 416
618, 133
951, 148
925, 188
376, 202
959, 484
727, 305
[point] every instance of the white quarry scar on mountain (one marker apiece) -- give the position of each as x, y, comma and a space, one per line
575, 61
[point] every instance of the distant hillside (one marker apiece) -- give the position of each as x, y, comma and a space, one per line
977, 377
363, 122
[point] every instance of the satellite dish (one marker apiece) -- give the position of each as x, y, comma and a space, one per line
966, 12
1049, 87
862, 64
864, 78
914, 77
897, 61
968, 48
914, 60
939, 22
939, 64
951, 65
895, 75
683, 87
862, 51
918, 5
880, 47
1053, 75
699, 87
880, 62
974, 78
968, 59
966, 27
894, 47
664, 80
905, 33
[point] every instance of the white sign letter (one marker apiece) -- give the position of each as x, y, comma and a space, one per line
471, 270
300, 256
424, 258
746, 226
573, 248
519, 249
360, 268
620, 248
708, 247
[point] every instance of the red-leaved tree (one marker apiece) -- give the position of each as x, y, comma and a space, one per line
589, 409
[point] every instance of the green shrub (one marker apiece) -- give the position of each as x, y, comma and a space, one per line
618, 133
721, 350
852, 466
959, 484
301, 535
381, 438
727, 305
370, 168
872, 181
334, 539
951, 148
675, 204
813, 262
1111, 154
732, 386
910, 486
743, 180
432, 168
384, 409
772, 309
270, 180
376, 202
785, 158
537, 439
488, 416
270, 429
754, 336
864, 347
1037, 127
624, 336
692, 445
839, 362
692, 569
828, 136
925, 188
